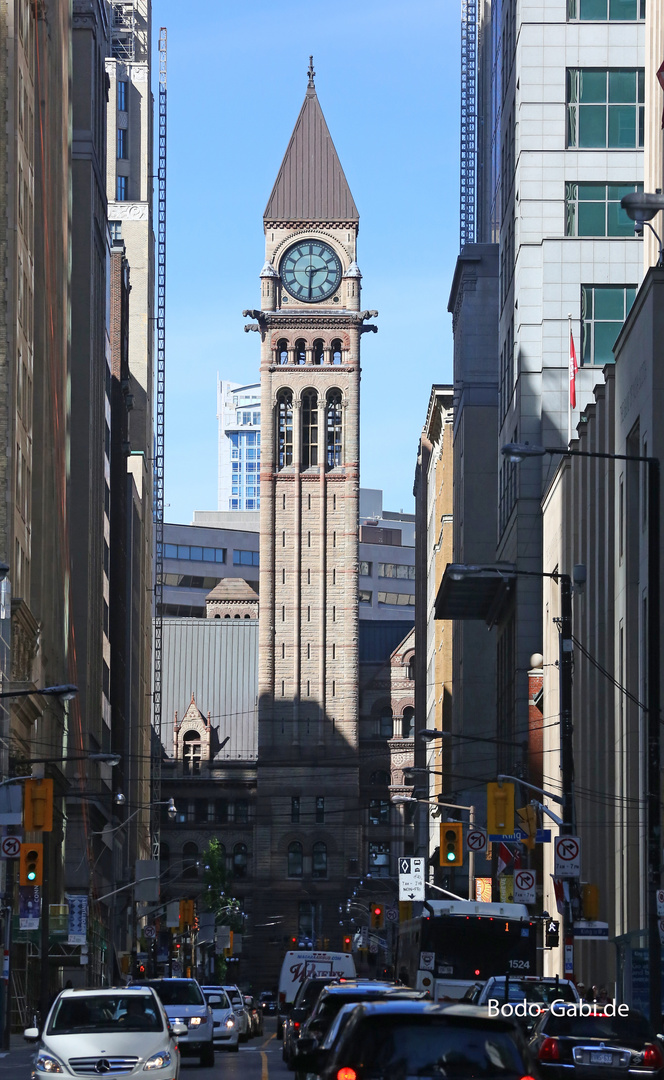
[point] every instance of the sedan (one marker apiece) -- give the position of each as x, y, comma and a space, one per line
598, 1045
225, 1028
392, 1038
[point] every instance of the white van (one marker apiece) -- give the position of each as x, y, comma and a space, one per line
298, 966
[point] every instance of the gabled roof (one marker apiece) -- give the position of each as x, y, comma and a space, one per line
311, 185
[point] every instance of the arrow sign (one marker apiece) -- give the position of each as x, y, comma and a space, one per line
476, 840
567, 856
11, 847
524, 887
411, 878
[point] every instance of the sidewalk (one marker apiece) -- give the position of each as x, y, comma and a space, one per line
17, 1061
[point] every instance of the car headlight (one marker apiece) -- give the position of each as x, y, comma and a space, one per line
158, 1061
230, 1023
47, 1064
196, 1021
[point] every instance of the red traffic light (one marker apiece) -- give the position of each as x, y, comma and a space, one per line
378, 910
141, 969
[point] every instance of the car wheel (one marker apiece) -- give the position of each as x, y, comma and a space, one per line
207, 1056
234, 1048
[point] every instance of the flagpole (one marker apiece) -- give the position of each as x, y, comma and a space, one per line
569, 387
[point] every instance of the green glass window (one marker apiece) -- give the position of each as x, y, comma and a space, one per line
595, 210
605, 108
601, 10
604, 309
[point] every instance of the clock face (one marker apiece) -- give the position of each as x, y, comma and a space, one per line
310, 271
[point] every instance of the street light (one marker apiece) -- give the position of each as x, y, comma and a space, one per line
410, 799
641, 207
516, 452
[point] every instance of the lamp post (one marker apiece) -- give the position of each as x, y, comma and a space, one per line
410, 799
516, 452
63, 692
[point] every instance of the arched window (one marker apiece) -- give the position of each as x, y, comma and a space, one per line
386, 723
227, 616
408, 723
240, 860
319, 860
379, 778
284, 429
190, 862
295, 859
309, 428
247, 616
282, 351
217, 616
336, 351
318, 351
236, 616
333, 420
300, 351
191, 752
411, 669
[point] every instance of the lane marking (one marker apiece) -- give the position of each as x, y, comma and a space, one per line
264, 1072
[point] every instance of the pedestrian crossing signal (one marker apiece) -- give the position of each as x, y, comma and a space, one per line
552, 934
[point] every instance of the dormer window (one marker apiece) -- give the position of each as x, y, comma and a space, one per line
192, 752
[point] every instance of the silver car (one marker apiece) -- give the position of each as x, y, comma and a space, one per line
225, 1024
183, 1002
237, 1001
123, 1030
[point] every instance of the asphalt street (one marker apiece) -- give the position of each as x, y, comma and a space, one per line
259, 1059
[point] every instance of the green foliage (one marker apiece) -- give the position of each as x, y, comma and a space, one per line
215, 896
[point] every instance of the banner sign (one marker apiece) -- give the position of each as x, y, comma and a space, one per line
78, 918
29, 907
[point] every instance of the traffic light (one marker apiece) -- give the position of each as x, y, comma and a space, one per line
451, 843
186, 913
38, 806
348, 944
31, 868
527, 816
500, 809
377, 916
552, 934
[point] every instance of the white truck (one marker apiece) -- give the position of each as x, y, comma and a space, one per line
298, 966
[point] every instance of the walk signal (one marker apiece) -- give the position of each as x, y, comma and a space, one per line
377, 916
348, 944
552, 934
31, 867
451, 843
527, 816
38, 806
500, 809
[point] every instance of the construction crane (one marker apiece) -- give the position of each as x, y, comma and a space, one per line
468, 163
158, 499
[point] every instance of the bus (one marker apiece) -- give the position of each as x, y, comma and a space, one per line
456, 943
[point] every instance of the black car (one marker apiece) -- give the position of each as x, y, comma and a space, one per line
268, 1003
597, 1046
303, 1006
333, 998
389, 1038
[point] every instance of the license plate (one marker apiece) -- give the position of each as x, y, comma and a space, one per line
596, 1058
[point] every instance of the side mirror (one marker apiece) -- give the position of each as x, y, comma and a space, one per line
178, 1028
31, 1034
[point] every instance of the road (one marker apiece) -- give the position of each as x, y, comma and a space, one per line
259, 1059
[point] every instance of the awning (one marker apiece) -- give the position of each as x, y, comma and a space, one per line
475, 592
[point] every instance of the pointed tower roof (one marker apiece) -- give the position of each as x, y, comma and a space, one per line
311, 185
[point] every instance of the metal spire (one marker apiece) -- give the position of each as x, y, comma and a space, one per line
311, 85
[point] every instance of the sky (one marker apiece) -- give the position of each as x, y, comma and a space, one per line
387, 78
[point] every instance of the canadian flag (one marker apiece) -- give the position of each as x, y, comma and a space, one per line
573, 368
505, 857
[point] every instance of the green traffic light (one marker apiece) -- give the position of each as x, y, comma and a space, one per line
451, 856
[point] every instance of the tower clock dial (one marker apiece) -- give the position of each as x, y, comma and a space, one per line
310, 271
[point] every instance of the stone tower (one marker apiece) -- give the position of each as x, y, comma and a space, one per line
308, 820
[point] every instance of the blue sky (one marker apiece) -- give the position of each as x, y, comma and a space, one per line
387, 77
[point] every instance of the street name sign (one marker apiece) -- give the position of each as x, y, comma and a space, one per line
411, 878
591, 929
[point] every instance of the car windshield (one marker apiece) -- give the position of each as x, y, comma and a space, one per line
401, 1047
520, 990
185, 992
634, 1026
117, 1012
223, 1003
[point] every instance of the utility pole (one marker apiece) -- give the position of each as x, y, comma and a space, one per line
565, 658
654, 746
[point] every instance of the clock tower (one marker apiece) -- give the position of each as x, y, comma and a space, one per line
308, 828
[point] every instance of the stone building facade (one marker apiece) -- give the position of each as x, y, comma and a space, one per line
310, 325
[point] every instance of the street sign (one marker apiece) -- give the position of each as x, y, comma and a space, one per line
569, 959
660, 925
660, 901
427, 961
524, 886
593, 929
411, 878
476, 840
567, 856
11, 847
542, 836
392, 914
150, 932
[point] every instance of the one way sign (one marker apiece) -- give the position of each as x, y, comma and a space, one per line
411, 878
